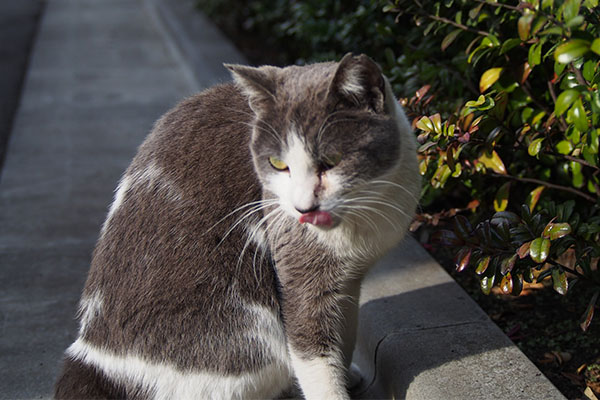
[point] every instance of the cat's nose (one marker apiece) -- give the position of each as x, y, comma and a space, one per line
314, 207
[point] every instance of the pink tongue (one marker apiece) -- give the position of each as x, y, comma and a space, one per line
318, 218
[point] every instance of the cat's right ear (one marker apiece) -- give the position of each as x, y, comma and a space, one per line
258, 84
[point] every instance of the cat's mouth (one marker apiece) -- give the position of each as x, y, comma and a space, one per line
317, 218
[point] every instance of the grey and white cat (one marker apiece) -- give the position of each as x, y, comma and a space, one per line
230, 263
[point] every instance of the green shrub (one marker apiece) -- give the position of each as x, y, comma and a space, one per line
524, 151
505, 102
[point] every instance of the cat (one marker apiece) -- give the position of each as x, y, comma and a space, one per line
230, 262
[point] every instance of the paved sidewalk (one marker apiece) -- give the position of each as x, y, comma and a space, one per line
101, 73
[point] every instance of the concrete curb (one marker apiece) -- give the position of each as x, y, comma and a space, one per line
420, 336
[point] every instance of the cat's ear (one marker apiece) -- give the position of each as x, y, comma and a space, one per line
358, 82
258, 83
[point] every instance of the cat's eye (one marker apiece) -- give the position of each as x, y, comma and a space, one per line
331, 160
278, 164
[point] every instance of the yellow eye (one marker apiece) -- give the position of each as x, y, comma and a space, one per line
331, 160
278, 164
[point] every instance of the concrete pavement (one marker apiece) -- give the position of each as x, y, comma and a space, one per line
101, 72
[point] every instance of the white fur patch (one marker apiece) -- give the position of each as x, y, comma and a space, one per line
122, 189
351, 83
164, 381
89, 308
303, 176
318, 378
151, 176
269, 332
296, 189
154, 176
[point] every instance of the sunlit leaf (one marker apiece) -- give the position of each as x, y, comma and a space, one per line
564, 101
425, 124
486, 283
482, 265
564, 147
569, 51
436, 120
501, 199
559, 281
539, 249
535, 55
555, 231
595, 47
524, 26
488, 78
535, 146
579, 115
534, 197
463, 258
506, 285
523, 251
589, 313
493, 161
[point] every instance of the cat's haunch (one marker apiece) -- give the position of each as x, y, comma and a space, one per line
230, 262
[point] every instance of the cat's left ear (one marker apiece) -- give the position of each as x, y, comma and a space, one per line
358, 82
258, 83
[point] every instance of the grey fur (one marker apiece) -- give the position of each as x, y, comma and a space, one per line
175, 271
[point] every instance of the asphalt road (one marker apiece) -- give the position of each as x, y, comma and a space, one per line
18, 25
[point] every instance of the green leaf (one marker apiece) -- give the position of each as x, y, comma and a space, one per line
488, 78
508, 264
564, 147
534, 196
523, 251
563, 101
589, 70
524, 26
509, 45
493, 161
482, 265
569, 51
554, 231
535, 54
425, 124
463, 258
486, 284
476, 103
449, 38
570, 9
501, 199
436, 120
535, 147
589, 313
595, 47
579, 115
506, 285
559, 280
538, 251
578, 178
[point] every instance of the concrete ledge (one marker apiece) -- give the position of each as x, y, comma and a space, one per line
420, 336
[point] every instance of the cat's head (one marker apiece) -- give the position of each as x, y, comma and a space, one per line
321, 134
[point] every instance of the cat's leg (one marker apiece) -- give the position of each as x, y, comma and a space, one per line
314, 301
81, 381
